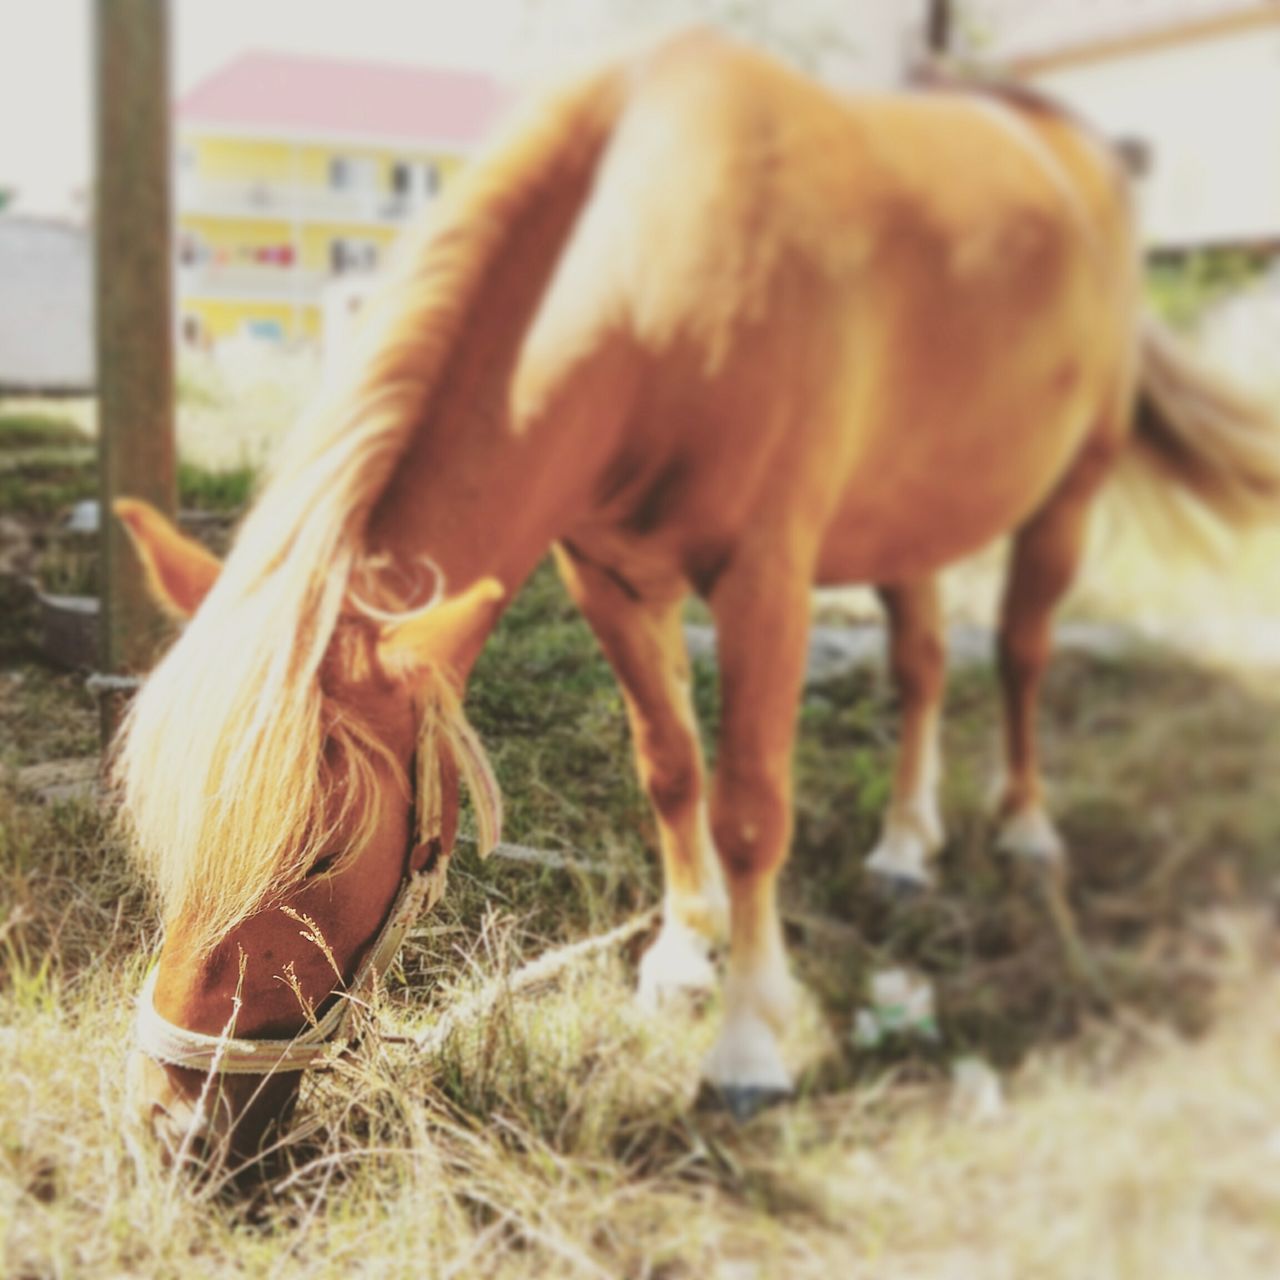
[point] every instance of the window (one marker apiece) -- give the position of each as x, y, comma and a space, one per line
265, 330
348, 254
415, 179
352, 173
341, 173
1135, 154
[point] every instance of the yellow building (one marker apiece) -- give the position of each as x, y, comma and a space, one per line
296, 174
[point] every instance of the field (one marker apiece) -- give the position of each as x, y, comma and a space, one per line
1128, 1021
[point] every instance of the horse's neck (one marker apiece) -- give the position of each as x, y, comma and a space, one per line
478, 493
519, 409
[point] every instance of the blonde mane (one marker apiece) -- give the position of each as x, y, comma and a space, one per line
225, 764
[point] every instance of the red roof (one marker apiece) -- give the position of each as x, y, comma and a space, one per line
272, 92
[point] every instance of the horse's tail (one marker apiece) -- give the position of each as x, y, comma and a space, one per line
1219, 447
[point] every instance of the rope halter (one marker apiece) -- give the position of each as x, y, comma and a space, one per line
318, 1043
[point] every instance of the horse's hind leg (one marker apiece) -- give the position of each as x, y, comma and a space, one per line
1045, 556
912, 831
761, 607
645, 646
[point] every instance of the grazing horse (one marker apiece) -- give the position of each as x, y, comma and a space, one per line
698, 325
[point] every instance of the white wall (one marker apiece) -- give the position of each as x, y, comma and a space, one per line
851, 43
1209, 111
1241, 335
1010, 29
46, 306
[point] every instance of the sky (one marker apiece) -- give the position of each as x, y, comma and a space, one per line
45, 48
45, 71
45, 45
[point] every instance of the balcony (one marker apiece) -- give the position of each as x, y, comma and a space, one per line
253, 284
294, 202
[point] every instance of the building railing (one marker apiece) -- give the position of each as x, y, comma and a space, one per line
288, 201
266, 283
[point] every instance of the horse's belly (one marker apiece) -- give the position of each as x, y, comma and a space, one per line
906, 512
867, 545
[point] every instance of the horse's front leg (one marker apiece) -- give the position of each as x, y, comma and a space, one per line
644, 642
761, 607
912, 831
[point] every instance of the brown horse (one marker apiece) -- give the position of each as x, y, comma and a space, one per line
698, 325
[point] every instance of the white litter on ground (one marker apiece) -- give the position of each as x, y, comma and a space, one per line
901, 1006
976, 1091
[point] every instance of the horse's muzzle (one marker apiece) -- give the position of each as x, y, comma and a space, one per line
189, 1119
183, 1127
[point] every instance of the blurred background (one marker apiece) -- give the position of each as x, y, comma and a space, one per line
1092, 1089
304, 134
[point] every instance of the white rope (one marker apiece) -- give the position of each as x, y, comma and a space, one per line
315, 1045
101, 682
553, 859
318, 1044
545, 968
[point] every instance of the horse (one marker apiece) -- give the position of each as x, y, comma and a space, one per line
694, 325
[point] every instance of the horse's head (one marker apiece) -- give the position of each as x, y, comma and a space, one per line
227, 1023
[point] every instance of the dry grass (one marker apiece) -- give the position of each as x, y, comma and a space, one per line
558, 1139
230, 411
234, 409
1133, 1019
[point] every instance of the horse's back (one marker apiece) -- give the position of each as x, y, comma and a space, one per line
729, 168
844, 308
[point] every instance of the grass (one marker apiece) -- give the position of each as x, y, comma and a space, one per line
1181, 291
48, 463
31, 430
560, 1136
200, 489
1132, 1017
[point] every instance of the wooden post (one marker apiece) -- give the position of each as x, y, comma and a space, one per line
938, 28
134, 260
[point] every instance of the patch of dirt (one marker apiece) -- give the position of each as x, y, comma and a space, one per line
79, 778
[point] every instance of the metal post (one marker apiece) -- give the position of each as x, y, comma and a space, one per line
134, 264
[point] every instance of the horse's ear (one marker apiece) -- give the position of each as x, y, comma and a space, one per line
180, 572
449, 632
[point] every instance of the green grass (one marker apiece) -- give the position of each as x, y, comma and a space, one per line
202, 489
47, 464
45, 484
1182, 290
559, 1135
27, 429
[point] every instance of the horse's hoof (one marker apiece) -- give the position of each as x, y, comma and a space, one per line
742, 1102
1048, 874
745, 1072
899, 865
1030, 836
676, 969
897, 887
